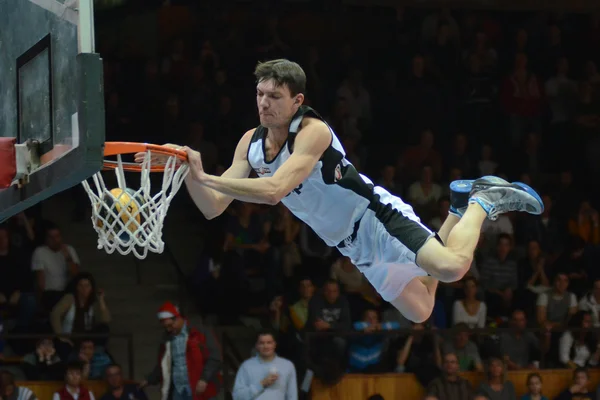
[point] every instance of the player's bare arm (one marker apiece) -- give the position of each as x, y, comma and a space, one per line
312, 140
213, 203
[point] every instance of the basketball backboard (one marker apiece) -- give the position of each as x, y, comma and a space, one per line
51, 91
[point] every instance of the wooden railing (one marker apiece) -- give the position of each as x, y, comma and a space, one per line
406, 386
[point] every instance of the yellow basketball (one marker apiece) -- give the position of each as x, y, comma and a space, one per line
127, 208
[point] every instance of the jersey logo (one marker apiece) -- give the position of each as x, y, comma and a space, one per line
338, 173
262, 170
298, 190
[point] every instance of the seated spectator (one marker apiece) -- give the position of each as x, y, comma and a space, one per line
299, 310
555, 307
533, 278
519, 349
94, 359
43, 364
282, 234
73, 388
450, 386
466, 351
487, 165
534, 388
14, 276
82, 311
54, 264
579, 389
119, 390
10, 391
586, 224
579, 349
469, 310
419, 354
545, 229
388, 180
329, 311
590, 302
366, 351
245, 236
424, 194
499, 278
353, 283
443, 208
572, 262
496, 387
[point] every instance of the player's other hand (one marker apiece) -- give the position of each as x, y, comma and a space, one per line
195, 163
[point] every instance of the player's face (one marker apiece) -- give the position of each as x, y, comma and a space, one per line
276, 105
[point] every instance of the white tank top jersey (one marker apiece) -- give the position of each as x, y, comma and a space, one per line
332, 198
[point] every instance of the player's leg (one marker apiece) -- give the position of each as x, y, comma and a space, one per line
488, 197
417, 299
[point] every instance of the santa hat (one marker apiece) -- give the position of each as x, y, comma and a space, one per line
168, 310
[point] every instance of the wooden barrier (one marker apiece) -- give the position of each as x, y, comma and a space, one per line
406, 386
45, 390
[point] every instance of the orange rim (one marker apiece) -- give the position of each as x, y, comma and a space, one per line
115, 148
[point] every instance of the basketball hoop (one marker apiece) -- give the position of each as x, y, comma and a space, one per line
129, 220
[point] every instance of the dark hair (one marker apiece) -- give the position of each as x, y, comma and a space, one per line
470, 278
7, 378
112, 365
265, 332
73, 286
533, 375
284, 73
74, 365
580, 370
376, 397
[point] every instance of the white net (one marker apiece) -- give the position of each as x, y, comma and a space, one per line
131, 221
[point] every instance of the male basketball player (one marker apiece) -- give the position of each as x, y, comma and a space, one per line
301, 163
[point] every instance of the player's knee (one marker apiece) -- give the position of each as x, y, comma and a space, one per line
454, 267
423, 312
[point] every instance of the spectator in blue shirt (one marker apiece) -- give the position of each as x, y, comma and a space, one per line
365, 351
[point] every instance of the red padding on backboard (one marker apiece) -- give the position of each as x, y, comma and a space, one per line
8, 161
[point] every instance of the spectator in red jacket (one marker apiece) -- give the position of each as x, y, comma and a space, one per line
189, 360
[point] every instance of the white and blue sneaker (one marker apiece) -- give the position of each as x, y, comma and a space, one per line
497, 197
462, 190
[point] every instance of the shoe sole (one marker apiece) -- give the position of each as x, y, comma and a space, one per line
516, 186
461, 190
533, 193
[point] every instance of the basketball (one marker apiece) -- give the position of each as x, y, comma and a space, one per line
127, 208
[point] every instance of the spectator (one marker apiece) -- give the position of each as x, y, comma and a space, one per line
579, 349
14, 279
266, 376
357, 96
366, 351
416, 157
95, 360
119, 390
562, 93
487, 165
499, 278
534, 388
554, 308
590, 302
299, 310
545, 228
520, 349
419, 353
579, 389
443, 208
82, 311
388, 180
189, 359
424, 194
353, 283
450, 386
466, 351
54, 263
521, 96
73, 388
10, 391
496, 387
586, 224
282, 233
43, 364
469, 310
533, 278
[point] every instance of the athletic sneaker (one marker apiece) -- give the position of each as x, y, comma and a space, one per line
461, 192
499, 198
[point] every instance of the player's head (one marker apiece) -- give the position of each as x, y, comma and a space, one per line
280, 87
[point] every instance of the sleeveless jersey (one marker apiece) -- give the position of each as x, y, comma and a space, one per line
332, 198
